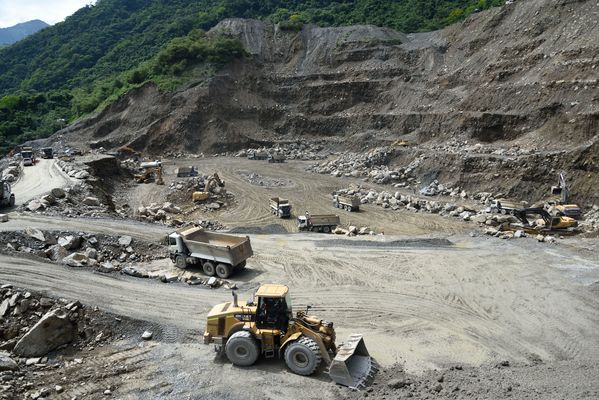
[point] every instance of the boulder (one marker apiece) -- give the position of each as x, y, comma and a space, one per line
52, 331
75, 260
4, 307
56, 252
91, 201
70, 242
147, 335
35, 233
125, 241
90, 252
35, 205
7, 363
58, 193
81, 175
106, 268
3, 218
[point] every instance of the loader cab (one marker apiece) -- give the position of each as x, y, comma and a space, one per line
273, 307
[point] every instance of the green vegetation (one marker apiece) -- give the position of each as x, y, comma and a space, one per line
102, 51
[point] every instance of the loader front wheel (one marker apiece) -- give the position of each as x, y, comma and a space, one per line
242, 349
208, 268
303, 356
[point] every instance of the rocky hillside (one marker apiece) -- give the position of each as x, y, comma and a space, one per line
525, 74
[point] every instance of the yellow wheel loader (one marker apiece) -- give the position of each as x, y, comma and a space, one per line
266, 326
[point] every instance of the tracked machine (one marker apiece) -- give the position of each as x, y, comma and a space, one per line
266, 326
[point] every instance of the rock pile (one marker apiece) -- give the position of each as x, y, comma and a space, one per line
291, 151
76, 201
74, 170
12, 171
32, 325
102, 252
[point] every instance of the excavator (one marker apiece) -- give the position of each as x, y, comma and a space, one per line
546, 223
266, 326
209, 187
561, 199
152, 171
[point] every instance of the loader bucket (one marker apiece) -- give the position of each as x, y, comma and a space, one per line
353, 366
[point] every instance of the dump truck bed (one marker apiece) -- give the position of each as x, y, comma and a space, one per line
324, 219
217, 246
349, 200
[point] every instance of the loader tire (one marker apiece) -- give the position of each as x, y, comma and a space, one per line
12, 201
242, 349
303, 356
223, 271
181, 262
208, 268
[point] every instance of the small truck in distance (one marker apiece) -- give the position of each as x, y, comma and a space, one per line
345, 202
280, 207
318, 223
217, 253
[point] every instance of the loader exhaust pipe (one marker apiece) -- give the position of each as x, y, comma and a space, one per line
234, 298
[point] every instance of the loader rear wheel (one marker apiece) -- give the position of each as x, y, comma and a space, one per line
303, 356
12, 201
223, 271
208, 268
181, 262
242, 349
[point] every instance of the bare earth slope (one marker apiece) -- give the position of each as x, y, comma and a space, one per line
523, 75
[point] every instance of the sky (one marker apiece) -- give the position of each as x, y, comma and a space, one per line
13, 12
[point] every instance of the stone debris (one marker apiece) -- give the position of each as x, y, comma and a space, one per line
147, 335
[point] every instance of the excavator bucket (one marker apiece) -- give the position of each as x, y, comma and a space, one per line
352, 366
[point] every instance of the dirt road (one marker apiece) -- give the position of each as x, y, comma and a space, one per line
420, 302
420, 305
38, 180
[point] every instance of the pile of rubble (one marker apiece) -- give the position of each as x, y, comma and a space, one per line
366, 165
265, 181
33, 328
76, 201
181, 192
101, 252
74, 170
590, 222
177, 275
353, 231
11, 172
291, 151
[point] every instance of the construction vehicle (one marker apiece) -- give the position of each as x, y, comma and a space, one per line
207, 187
7, 197
546, 223
280, 207
151, 171
217, 253
318, 223
28, 156
345, 202
276, 158
47, 153
503, 206
266, 326
185, 172
257, 155
561, 199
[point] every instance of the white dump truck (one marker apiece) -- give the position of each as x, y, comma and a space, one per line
7, 197
280, 207
318, 223
217, 253
346, 202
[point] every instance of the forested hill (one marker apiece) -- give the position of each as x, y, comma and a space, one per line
17, 32
73, 67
